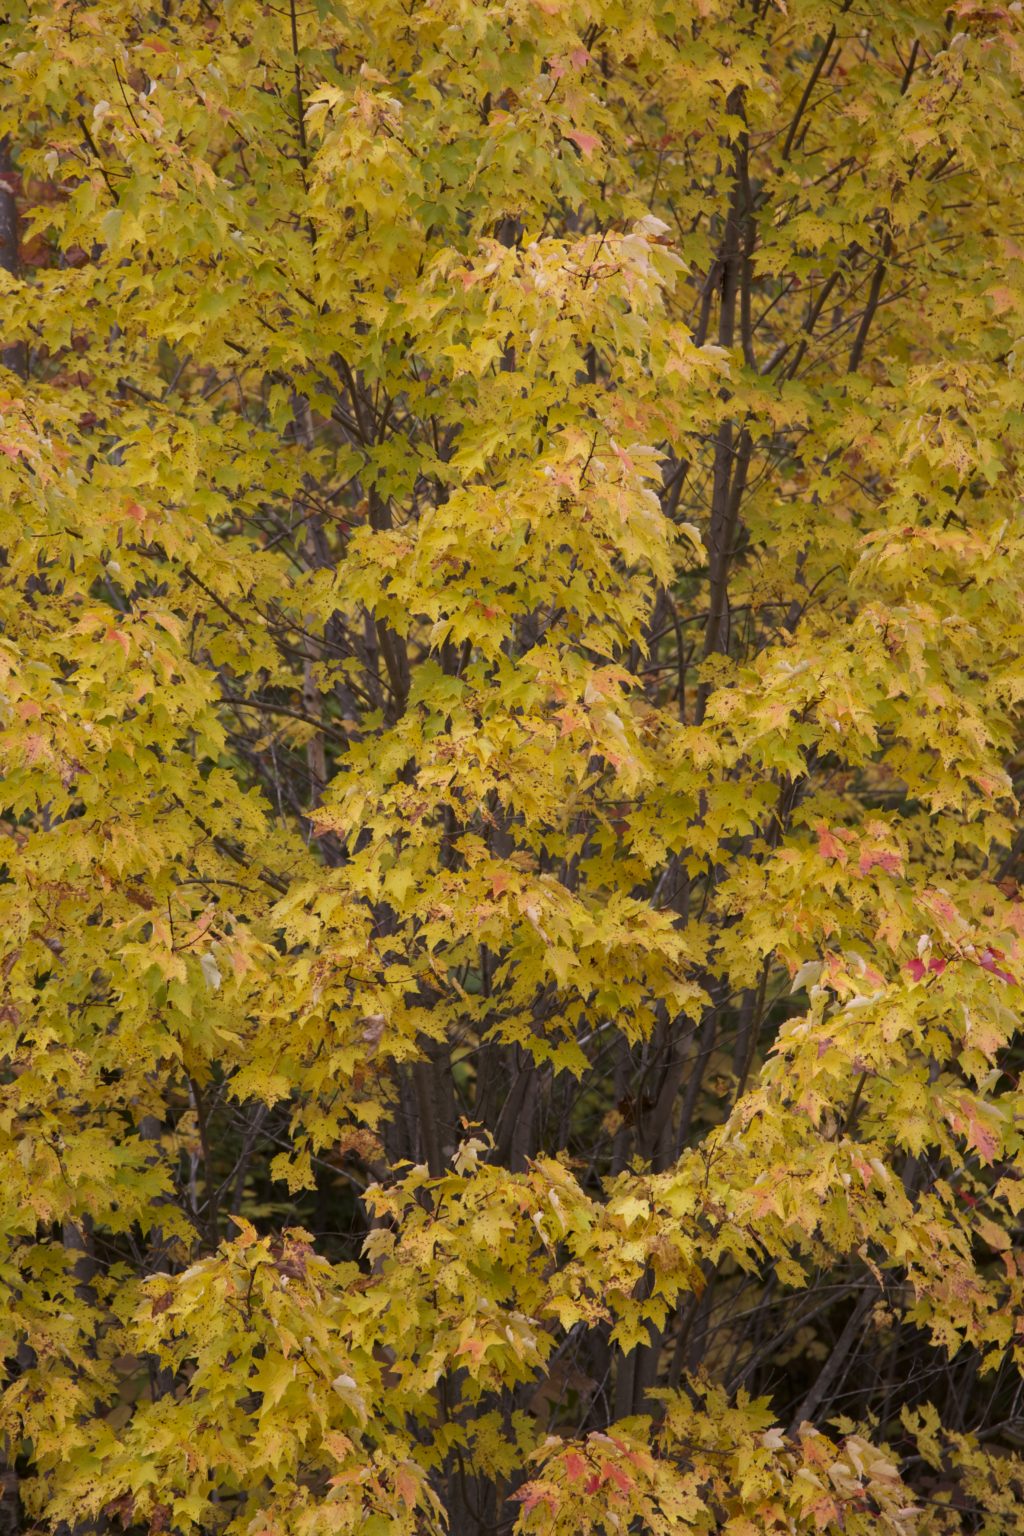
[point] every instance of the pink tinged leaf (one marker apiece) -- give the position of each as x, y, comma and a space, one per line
877, 857
829, 846
864, 1169
610, 1472
979, 1135
534, 1494
987, 960
941, 905
916, 968
826, 1513
586, 143
119, 639
407, 1487
575, 1466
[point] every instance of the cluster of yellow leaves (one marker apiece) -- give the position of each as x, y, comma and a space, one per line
444, 630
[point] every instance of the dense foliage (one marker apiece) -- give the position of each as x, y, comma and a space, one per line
511, 558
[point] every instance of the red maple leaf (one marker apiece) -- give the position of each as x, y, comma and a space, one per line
987, 960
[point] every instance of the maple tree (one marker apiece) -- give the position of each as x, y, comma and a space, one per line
510, 568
